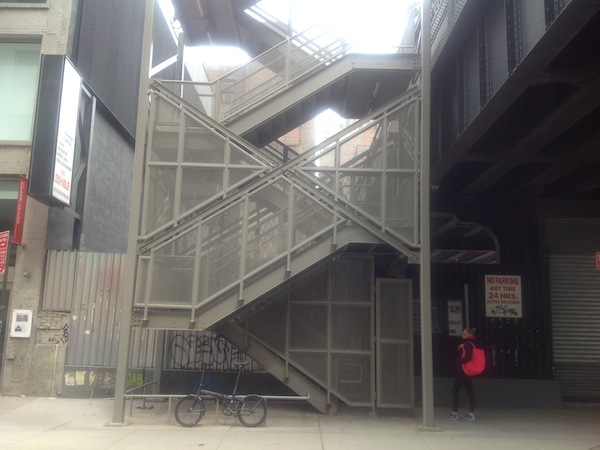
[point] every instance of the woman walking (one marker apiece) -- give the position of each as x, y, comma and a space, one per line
462, 379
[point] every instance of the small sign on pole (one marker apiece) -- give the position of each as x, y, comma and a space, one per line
503, 296
455, 320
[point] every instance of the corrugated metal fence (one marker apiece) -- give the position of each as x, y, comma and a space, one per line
90, 287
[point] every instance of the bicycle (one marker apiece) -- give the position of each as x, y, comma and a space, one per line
251, 409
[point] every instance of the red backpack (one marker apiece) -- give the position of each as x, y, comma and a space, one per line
477, 363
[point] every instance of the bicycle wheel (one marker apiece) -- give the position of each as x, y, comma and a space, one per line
252, 410
189, 411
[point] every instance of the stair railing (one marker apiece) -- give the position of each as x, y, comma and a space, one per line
259, 79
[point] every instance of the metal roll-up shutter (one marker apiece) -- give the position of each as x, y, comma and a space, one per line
575, 300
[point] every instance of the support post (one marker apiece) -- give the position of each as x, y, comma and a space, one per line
134, 219
426, 339
159, 359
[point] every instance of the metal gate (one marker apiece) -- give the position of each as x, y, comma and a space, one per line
395, 374
575, 292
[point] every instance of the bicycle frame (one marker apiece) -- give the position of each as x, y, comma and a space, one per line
250, 410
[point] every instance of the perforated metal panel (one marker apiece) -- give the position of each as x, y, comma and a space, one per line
395, 380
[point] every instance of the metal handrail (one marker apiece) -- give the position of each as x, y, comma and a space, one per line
246, 86
170, 398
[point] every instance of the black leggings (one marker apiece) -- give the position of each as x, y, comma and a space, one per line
460, 381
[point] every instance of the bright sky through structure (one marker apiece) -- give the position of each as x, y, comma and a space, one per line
376, 26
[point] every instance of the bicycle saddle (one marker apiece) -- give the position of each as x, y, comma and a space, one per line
241, 363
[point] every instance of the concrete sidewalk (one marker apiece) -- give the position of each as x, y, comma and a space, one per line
44, 423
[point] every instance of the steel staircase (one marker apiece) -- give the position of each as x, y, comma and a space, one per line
224, 223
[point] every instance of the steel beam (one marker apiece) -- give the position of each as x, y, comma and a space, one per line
566, 26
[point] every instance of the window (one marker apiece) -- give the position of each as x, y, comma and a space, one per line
19, 71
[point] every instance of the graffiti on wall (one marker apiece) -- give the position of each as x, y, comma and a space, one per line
65, 334
197, 351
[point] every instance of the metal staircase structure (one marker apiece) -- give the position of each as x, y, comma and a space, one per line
219, 213
224, 222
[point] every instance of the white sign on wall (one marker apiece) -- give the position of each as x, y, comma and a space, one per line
21, 323
503, 296
455, 321
67, 129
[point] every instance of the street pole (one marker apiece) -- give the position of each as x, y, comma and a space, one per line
426, 340
134, 219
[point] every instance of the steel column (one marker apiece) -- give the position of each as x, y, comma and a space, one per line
134, 220
426, 338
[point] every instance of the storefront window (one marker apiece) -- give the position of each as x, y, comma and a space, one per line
19, 71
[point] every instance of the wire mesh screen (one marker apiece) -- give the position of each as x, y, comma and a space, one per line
270, 326
221, 251
160, 205
253, 82
201, 145
373, 166
396, 375
364, 191
189, 164
402, 132
330, 333
355, 318
165, 131
310, 218
401, 211
350, 279
314, 363
394, 344
314, 289
173, 271
351, 376
395, 302
308, 327
267, 232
